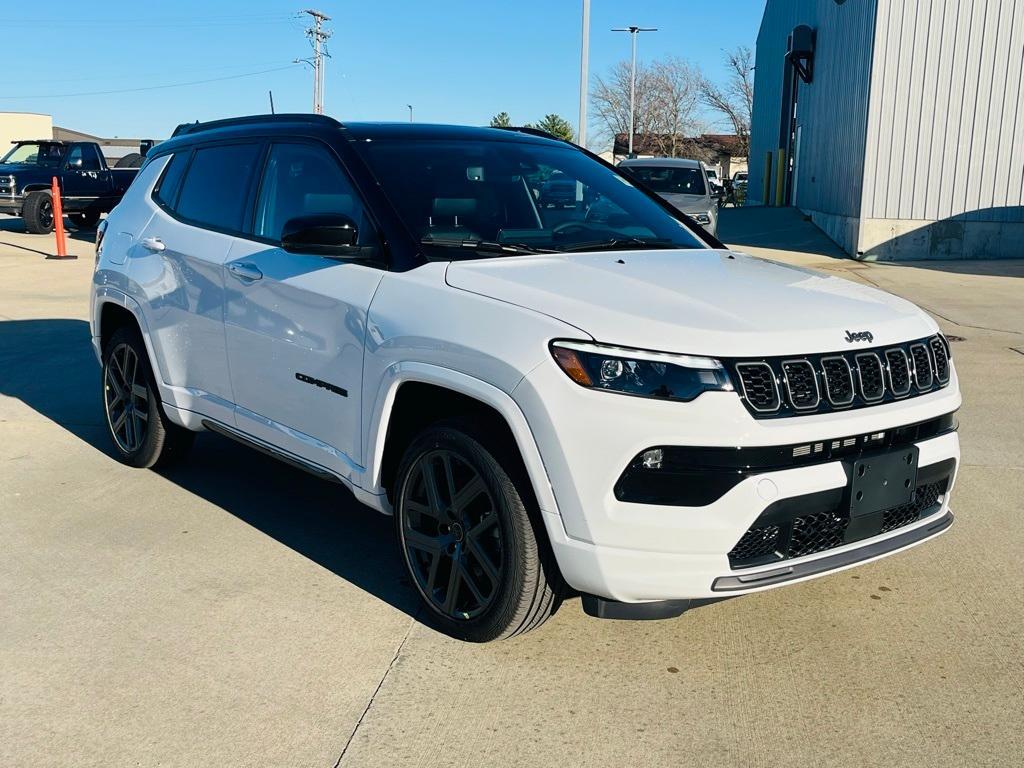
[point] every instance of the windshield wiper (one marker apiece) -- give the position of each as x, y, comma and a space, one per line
622, 244
484, 246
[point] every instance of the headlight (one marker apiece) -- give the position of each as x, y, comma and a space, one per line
700, 218
636, 372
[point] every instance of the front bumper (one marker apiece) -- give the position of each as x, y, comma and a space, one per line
638, 552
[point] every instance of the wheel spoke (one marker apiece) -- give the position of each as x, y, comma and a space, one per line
423, 509
481, 528
432, 573
430, 483
468, 493
478, 554
446, 461
140, 392
416, 540
452, 595
116, 425
467, 579
114, 387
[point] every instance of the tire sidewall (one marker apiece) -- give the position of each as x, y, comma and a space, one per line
489, 624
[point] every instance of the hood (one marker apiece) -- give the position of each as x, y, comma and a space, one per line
689, 203
15, 168
705, 302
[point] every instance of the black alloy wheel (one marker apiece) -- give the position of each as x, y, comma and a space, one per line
451, 536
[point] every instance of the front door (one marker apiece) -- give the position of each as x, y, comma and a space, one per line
84, 180
295, 323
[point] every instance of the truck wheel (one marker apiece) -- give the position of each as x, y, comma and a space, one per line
37, 213
85, 219
142, 435
467, 540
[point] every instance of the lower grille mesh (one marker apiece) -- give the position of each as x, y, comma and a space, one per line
811, 533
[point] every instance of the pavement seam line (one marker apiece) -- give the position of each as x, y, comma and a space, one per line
359, 722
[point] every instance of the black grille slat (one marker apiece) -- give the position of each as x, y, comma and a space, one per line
759, 386
781, 387
941, 358
922, 367
808, 534
899, 371
801, 384
838, 378
869, 376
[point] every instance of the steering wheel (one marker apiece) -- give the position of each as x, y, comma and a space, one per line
569, 228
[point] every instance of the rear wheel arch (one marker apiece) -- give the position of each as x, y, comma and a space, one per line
112, 317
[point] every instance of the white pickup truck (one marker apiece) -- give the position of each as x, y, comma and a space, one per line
593, 398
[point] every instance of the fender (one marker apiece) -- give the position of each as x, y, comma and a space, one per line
426, 373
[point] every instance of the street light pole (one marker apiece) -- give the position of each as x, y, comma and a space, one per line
410, 112
633, 32
581, 132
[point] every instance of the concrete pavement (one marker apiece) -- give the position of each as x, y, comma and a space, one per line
236, 612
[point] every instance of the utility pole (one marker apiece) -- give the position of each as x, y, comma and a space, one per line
318, 36
633, 32
581, 132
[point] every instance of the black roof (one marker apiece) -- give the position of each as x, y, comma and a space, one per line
358, 131
427, 131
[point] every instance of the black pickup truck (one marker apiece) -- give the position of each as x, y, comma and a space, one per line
88, 186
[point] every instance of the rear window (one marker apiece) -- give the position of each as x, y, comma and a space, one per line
669, 180
216, 186
167, 190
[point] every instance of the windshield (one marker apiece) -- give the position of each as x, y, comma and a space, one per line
669, 180
37, 153
533, 196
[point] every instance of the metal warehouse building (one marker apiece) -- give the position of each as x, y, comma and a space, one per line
897, 125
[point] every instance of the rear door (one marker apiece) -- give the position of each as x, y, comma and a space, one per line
296, 323
202, 200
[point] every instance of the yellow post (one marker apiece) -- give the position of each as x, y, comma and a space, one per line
780, 177
766, 192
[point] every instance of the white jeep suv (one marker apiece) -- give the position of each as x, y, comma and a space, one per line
595, 397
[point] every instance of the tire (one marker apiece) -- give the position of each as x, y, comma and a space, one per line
131, 160
141, 433
85, 219
487, 539
37, 213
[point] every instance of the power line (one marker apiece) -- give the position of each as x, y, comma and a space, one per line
136, 73
148, 87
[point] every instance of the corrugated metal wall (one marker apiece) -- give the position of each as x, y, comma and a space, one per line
832, 110
946, 118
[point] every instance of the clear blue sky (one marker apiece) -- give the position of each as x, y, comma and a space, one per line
457, 61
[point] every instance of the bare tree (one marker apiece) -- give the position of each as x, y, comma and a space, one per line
677, 87
667, 99
735, 99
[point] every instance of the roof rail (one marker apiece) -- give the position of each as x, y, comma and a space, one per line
296, 117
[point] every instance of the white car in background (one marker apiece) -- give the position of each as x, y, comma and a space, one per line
681, 182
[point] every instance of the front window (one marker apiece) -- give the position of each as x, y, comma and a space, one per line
669, 180
466, 198
42, 153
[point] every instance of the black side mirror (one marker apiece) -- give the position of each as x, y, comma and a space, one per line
322, 234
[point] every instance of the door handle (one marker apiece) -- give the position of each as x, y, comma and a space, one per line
154, 244
244, 271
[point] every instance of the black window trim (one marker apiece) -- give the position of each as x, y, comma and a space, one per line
255, 182
193, 149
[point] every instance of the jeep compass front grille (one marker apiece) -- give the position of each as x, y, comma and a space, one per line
779, 387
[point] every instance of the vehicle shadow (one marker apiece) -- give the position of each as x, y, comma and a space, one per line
50, 367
